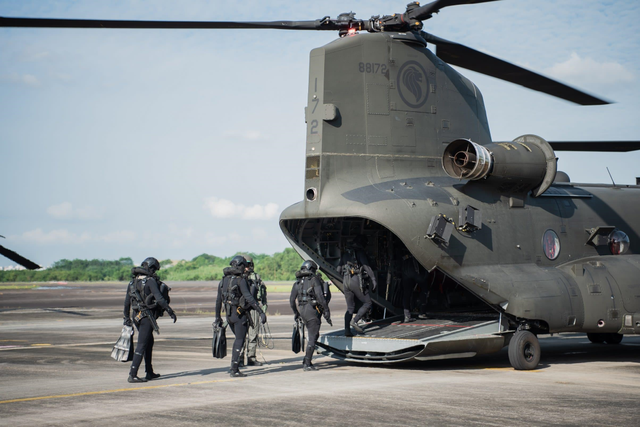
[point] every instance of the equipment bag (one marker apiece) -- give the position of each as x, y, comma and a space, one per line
123, 349
219, 342
295, 337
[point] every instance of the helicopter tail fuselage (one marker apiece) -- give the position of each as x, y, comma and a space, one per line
381, 111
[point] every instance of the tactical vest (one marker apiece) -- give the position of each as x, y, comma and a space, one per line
352, 266
231, 293
137, 284
306, 294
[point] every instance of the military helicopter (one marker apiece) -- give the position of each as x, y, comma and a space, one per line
398, 149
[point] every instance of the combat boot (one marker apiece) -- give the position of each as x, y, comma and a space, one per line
347, 328
252, 361
135, 379
237, 374
152, 376
357, 327
407, 317
307, 366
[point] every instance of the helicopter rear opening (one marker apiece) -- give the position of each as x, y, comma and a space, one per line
397, 271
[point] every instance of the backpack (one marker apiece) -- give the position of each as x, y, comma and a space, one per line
137, 284
353, 267
231, 293
306, 294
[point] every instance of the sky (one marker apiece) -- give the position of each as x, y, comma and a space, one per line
173, 143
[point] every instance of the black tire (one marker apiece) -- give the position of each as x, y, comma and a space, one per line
596, 338
613, 338
524, 351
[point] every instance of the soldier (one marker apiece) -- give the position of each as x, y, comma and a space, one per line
413, 276
311, 305
357, 275
259, 291
238, 301
149, 299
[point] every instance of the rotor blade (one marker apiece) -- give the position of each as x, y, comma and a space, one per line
18, 258
425, 12
463, 56
603, 146
323, 24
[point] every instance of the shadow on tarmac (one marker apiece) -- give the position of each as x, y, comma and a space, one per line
273, 366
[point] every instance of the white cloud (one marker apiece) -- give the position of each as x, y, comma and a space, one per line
65, 211
23, 79
222, 208
587, 71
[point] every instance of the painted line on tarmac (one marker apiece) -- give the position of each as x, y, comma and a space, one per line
87, 344
91, 393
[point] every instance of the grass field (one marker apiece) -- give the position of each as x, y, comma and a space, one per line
22, 286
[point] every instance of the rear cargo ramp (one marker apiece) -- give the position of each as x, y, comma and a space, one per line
442, 337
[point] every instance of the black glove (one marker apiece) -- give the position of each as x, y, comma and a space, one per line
327, 317
296, 317
127, 321
263, 318
172, 315
218, 322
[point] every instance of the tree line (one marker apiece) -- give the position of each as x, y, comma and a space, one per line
280, 266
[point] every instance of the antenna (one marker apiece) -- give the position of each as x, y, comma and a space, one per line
614, 183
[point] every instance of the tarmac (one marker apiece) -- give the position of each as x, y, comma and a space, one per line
55, 369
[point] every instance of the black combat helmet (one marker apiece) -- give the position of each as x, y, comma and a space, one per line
309, 265
238, 261
151, 264
249, 261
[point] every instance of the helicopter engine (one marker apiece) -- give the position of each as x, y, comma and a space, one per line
526, 163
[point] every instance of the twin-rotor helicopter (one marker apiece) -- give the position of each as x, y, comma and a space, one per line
503, 247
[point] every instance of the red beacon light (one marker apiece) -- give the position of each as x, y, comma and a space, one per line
351, 32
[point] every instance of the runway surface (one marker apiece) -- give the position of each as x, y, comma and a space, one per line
55, 369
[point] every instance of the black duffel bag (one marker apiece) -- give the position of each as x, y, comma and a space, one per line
219, 342
297, 338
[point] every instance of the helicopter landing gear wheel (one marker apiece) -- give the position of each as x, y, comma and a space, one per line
613, 338
524, 351
596, 338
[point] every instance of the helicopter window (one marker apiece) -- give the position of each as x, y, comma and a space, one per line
551, 244
313, 173
618, 242
313, 162
313, 167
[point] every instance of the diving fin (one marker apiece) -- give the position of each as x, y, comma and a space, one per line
123, 349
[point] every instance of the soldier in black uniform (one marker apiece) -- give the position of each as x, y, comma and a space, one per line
413, 276
238, 301
358, 277
311, 305
259, 292
148, 297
